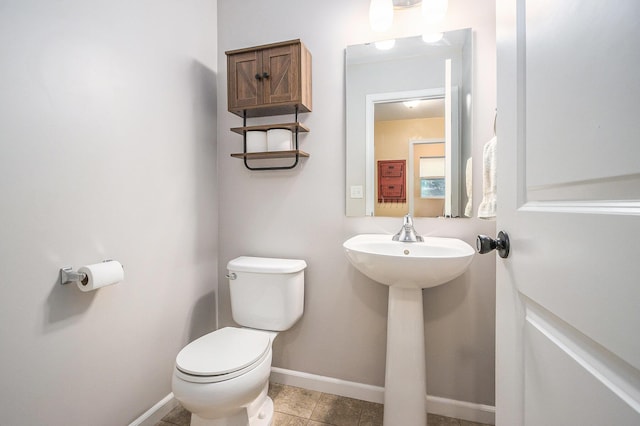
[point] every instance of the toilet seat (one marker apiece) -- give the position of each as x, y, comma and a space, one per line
222, 355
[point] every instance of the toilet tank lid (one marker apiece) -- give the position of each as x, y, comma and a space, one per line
266, 265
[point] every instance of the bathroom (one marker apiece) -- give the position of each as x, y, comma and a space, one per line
116, 145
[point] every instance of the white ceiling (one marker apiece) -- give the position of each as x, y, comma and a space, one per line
428, 108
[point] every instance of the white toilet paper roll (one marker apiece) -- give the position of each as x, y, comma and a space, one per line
256, 141
100, 275
279, 140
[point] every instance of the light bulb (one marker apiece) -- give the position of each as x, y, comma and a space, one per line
412, 104
381, 15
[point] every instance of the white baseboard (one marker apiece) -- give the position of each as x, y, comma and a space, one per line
463, 410
442, 406
328, 385
154, 414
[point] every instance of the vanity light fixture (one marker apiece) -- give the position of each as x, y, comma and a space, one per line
380, 15
381, 12
405, 4
433, 13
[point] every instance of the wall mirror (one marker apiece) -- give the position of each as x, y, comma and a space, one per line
408, 117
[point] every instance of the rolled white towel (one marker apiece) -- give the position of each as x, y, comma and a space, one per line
468, 210
487, 208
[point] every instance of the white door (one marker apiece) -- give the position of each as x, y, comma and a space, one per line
568, 296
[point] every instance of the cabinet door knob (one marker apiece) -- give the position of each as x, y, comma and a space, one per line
265, 75
258, 77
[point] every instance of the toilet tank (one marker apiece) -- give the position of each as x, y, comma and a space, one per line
266, 293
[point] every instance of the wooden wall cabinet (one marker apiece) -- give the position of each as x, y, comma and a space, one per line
392, 180
271, 79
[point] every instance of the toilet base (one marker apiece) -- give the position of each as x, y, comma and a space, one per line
262, 416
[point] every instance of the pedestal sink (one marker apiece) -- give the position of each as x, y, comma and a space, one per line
407, 268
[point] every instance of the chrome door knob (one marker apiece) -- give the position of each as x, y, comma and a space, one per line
485, 244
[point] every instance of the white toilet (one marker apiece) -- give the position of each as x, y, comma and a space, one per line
223, 377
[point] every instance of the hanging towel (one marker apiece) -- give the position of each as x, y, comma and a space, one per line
487, 208
468, 210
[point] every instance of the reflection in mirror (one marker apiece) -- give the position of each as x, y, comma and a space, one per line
414, 128
408, 128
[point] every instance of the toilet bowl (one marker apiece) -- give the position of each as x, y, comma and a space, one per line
222, 378
224, 375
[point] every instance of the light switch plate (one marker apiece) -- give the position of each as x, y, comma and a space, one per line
356, 191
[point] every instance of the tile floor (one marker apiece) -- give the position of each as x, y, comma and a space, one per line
303, 407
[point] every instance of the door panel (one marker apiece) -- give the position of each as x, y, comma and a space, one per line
584, 271
569, 382
582, 58
568, 297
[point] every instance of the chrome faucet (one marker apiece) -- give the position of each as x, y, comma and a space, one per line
407, 234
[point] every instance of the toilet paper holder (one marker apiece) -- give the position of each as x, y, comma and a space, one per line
68, 275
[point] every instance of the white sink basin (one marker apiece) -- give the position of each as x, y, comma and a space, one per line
425, 264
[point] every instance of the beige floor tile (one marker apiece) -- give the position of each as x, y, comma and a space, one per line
178, 416
436, 420
281, 419
372, 414
294, 401
302, 407
337, 410
468, 423
275, 389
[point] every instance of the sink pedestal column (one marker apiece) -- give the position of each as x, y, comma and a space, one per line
405, 388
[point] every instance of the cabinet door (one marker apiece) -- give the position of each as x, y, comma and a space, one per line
282, 64
272, 79
244, 88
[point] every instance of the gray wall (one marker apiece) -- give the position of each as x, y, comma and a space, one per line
108, 150
301, 213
